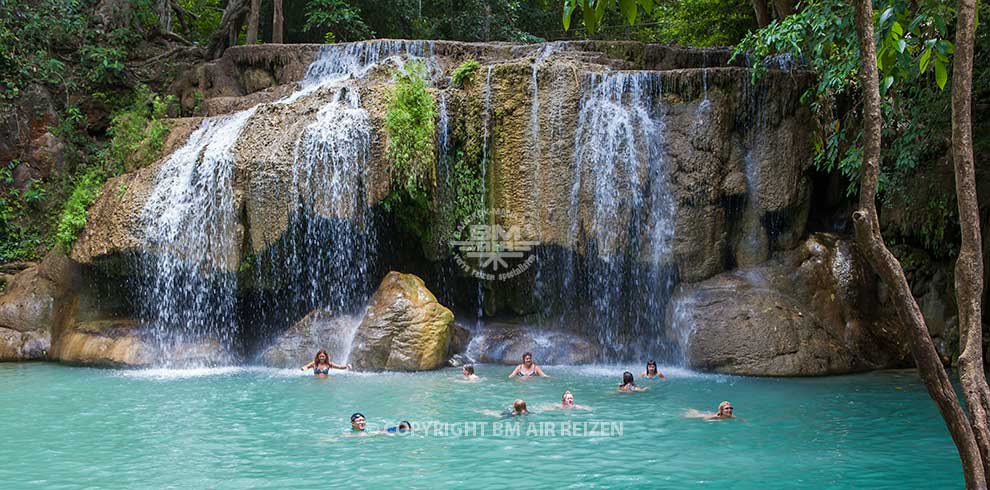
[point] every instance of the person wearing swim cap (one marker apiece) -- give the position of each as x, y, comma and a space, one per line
403, 428
358, 422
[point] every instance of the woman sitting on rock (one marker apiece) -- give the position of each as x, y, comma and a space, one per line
651, 370
628, 384
528, 368
322, 364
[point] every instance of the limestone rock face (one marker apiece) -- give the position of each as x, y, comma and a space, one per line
506, 343
33, 307
404, 328
119, 343
317, 330
813, 311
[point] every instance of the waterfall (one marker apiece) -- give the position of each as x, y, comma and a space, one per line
622, 212
193, 243
190, 226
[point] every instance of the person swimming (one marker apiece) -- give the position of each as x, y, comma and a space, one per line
528, 368
567, 400
358, 422
469, 372
403, 427
725, 411
651, 371
628, 384
322, 364
518, 408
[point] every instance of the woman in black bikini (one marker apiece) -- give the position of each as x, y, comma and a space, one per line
321, 365
528, 368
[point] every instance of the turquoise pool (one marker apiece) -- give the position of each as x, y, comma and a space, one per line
232, 428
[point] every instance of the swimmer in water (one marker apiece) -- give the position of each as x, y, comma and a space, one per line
725, 411
628, 385
651, 371
358, 422
528, 368
403, 428
469, 372
322, 364
518, 408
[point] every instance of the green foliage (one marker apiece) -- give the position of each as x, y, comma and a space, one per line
21, 239
701, 23
410, 130
137, 132
593, 11
913, 58
469, 190
464, 73
208, 14
85, 190
338, 20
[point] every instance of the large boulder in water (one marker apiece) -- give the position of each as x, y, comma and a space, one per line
317, 330
404, 329
34, 305
813, 311
502, 343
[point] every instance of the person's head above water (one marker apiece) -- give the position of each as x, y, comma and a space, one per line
321, 358
468, 369
651, 367
357, 421
627, 378
567, 399
405, 426
725, 410
519, 406
527, 359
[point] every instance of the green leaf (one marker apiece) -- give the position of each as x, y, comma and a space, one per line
885, 16
926, 58
941, 76
647, 5
901, 45
568, 11
629, 10
590, 21
897, 30
887, 82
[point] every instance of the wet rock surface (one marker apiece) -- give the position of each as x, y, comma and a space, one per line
318, 330
505, 343
403, 329
812, 311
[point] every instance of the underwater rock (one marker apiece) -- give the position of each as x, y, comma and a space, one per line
502, 343
404, 328
317, 330
812, 311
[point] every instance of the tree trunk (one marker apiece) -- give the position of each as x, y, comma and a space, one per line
762, 13
252, 27
277, 23
230, 27
969, 265
784, 8
889, 269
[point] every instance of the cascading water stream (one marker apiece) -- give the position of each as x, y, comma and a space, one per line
192, 250
191, 234
622, 210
